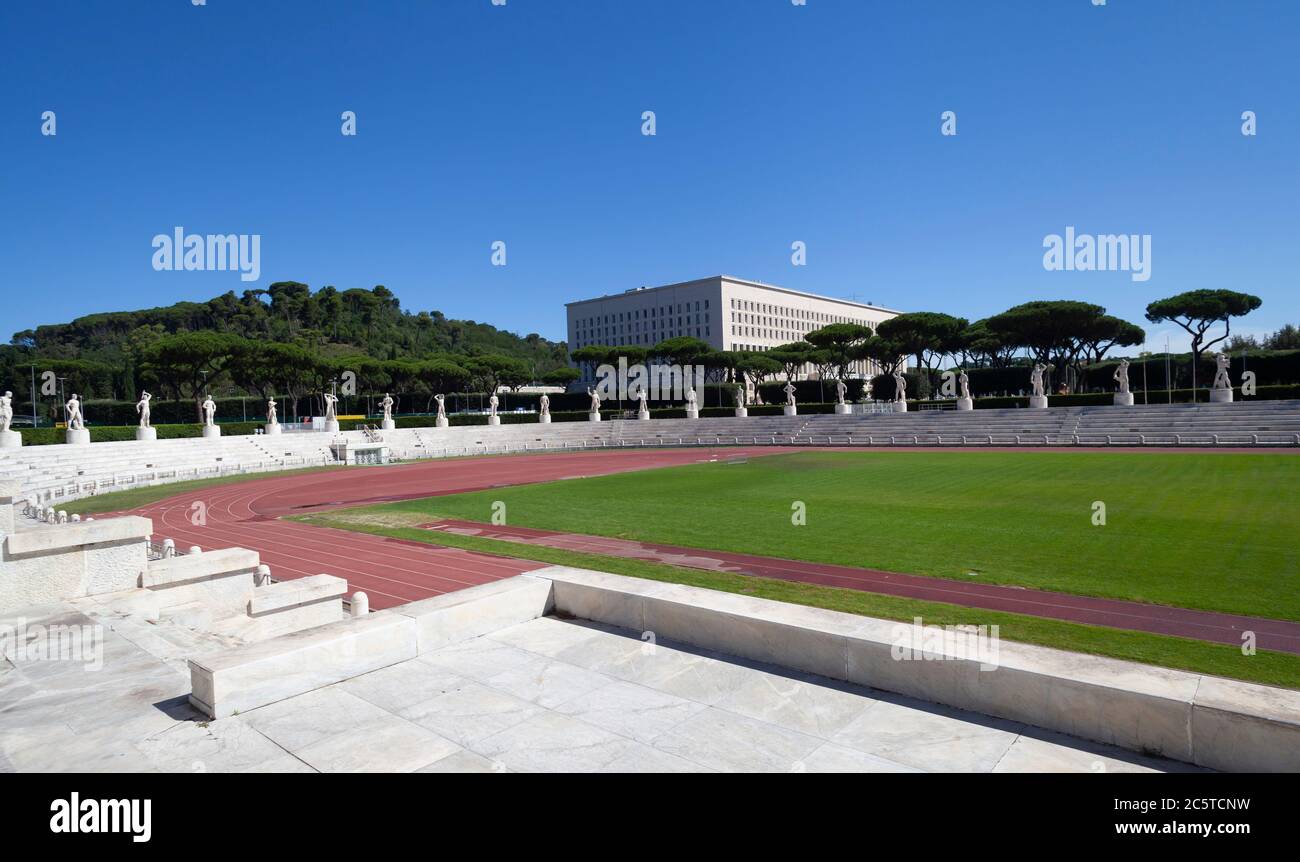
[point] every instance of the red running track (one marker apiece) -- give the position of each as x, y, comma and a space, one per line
1160, 619
390, 571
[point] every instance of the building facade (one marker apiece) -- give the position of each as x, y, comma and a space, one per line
727, 313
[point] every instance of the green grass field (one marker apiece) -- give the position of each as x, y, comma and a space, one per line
1209, 531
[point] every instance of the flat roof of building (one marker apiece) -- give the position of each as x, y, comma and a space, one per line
735, 280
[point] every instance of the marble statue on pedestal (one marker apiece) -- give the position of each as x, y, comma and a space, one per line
492, 405
544, 405
840, 391
1221, 378
75, 421
1036, 380
963, 384
442, 407
330, 401
271, 418
142, 407
209, 408
900, 387
642, 406
387, 405
6, 411
789, 391
738, 394
1121, 375
595, 400
690, 398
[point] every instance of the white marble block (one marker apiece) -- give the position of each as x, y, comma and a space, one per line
212, 431
965, 404
741, 412
1220, 396
331, 426
643, 415
790, 410
10, 439
146, 433
544, 418
388, 425
77, 437
441, 422
593, 417
1123, 399
692, 413
900, 406
494, 420
1038, 402
843, 409
273, 428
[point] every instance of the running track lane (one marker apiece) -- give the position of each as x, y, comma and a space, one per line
1279, 635
390, 571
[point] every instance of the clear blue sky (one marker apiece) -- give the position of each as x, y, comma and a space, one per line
522, 123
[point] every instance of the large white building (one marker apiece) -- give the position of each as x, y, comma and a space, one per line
727, 313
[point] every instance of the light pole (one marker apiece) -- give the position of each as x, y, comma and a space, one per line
35, 420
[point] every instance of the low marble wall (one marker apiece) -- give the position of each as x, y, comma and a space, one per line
65, 561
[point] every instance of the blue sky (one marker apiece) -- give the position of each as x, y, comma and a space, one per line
522, 123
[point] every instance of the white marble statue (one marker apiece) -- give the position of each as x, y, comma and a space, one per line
330, 401
900, 386
142, 407
739, 395
492, 405
1036, 380
387, 404
1121, 375
1221, 378
840, 391
789, 391
442, 407
209, 408
6, 411
595, 399
544, 405
690, 398
642, 406
271, 416
75, 420
963, 384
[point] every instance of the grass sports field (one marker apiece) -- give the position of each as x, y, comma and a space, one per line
1207, 531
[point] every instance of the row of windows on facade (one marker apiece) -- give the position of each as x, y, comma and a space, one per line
641, 314
644, 338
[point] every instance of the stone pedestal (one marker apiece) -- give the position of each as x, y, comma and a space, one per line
494, 420
75, 437
692, 413
843, 409
272, 428
1038, 402
790, 410
388, 425
965, 404
1123, 399
146, 433
1220, 396
741, 412
10, 439
332, 426
544, 418
900, 406
441, 422
643, 415
593, 417
212, 431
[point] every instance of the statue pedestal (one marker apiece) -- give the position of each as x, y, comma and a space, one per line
77, 437
965, 404
692, 413
272, 428
643, 415
1123, 399
1038, 402
843, 409
146, 433
10, 439
900, 406
790, 410
440, 422
331, 426
212, 431
544, 418
593, 417
741, 412
494, 420
1220, 396
388, 425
